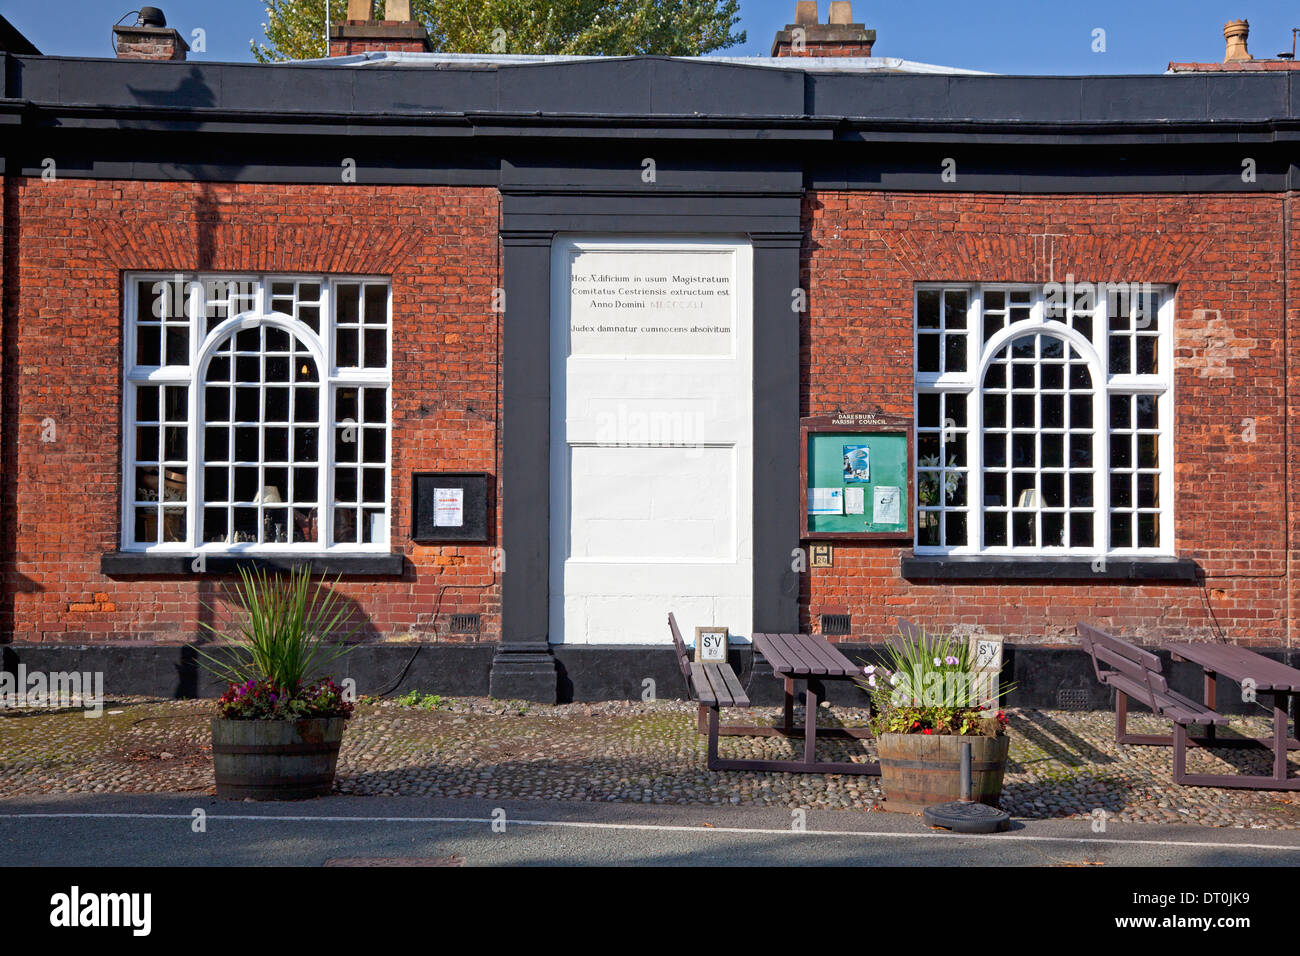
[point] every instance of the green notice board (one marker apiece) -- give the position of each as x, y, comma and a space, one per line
856, 476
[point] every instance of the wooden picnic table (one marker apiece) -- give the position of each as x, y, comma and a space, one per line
814, 660
1264, 676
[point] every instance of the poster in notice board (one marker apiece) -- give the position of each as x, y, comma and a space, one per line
856, 476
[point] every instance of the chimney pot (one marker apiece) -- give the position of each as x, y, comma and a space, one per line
361, 9
1236, 32
841, 12
805, 12
150, 17
398, 10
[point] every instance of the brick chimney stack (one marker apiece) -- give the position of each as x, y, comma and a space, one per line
149, 38
1236, 32
1237, 59
839, 37
362, 33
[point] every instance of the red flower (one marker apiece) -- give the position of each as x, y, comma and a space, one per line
927, 731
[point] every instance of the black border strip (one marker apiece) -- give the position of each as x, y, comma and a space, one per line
979, 567
125, 563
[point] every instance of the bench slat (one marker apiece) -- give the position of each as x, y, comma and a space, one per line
683, 658
1132, 652
1169, 704
834, 662
807, 663
738, 696
774, 651
702, 686
909, 630
1129, 669
721, 693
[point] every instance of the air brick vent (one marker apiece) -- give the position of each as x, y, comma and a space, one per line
837, 624
464, 623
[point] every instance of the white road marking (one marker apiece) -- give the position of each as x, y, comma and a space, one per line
656, 827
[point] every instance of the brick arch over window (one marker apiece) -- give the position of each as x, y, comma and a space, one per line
1040, 255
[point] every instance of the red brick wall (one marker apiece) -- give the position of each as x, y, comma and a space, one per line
66, 244
816, 48
64, 260
863, 253
354, 45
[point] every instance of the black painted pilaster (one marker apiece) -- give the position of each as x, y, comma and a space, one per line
776, 430
524, 666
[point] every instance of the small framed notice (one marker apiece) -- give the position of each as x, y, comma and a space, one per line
449, 506
856, 476
986, 662
711, 645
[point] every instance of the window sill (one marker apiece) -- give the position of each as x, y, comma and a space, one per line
1002, 567
120, 563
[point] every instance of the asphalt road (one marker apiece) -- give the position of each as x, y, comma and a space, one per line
160, 830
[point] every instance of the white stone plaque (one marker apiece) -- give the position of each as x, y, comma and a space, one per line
660, 302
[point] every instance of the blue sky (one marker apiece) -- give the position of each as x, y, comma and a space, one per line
1000, 36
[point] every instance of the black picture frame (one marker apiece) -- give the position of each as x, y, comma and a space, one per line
473, 529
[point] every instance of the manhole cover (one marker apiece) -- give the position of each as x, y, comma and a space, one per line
967, 817
395, 861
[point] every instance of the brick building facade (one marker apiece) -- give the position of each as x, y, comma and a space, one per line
333, 187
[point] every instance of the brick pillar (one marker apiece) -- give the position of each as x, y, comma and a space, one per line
149, 43
396, 33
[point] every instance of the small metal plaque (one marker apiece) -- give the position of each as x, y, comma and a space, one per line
823, 555
711, 645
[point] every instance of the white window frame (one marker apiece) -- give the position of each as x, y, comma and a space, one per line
201, 350
1096, 351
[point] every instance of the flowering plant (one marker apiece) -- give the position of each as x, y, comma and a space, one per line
276, 646
261, 700
928, 686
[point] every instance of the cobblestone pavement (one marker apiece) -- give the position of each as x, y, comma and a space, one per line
1063, 763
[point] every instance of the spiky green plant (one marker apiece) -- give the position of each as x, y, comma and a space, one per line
281, 632
927, 684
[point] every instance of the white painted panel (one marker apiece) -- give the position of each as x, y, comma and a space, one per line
641, 300
652, 503
651, 439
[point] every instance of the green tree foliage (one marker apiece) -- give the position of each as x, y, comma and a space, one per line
295, 29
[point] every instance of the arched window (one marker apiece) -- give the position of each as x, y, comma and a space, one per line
1042, 419
261, 414
258, 414
1038, 466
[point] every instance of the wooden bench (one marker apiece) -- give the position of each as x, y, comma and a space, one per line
1136, 674
712, 686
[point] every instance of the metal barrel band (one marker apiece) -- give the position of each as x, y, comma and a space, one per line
260, 783
261, 749
935, 765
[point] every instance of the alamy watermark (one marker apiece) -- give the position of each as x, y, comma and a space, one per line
30, 690
1058, 297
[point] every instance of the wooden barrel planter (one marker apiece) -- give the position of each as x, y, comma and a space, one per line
918, 770
275, 759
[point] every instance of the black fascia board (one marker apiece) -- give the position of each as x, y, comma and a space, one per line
655, 88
